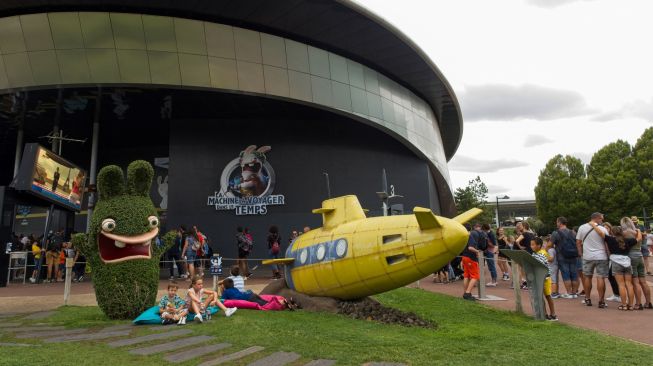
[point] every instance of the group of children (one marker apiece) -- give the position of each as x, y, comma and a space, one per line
175, 310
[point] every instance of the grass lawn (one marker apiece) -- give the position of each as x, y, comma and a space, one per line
468, 333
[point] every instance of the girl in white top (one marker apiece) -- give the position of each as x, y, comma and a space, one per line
198, 300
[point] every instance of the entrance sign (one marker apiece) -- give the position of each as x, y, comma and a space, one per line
246, 184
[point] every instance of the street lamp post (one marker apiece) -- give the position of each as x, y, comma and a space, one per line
505, 197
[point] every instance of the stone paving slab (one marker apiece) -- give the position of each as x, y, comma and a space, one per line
321, 363
169, 346
51, 333
88, 336
9, 325
147, 338
38, 328
40, 315
7, 344
196, 352
276, 359
118, 327
233, 356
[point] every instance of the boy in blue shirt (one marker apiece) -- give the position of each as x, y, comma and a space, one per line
172, 307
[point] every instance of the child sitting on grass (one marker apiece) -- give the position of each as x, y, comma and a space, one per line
172, 307
543, 257
232, 293
198, 300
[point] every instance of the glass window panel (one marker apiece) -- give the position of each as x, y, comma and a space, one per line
128, 32
164, 68
11, 35
66, 30
276, 80
374, 105
248, 45
356, 77
250, 76
103, 65
338, 67
223, 73
400, 115
133, 65
273, 49
190, 37
220, 40
96, 29
371, 80
321, 89
300, 85
341, 96
36, 30
45, 68
297, 56
159, 33
73, 66
4, 81
18, 69
319, 62
194, 70
359, 101
384, 86
388, 110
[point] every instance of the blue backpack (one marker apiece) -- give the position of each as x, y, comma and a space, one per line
567, 245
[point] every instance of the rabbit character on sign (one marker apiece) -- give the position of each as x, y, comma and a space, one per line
251, 161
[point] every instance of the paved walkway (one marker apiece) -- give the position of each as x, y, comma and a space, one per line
633, 325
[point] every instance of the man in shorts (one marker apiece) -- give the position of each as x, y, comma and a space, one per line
470, 261
590, 242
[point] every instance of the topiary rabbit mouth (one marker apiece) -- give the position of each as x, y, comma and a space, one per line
118, 248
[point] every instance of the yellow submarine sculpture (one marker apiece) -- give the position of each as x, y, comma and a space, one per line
352, 256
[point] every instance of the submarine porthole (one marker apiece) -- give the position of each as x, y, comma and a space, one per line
321, 252
387, 239
341, 248
303, 256
394, 259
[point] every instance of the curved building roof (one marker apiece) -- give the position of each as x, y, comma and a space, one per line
340, 26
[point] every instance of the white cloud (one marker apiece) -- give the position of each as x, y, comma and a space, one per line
552, 3
468, 164
536, 140
501, 102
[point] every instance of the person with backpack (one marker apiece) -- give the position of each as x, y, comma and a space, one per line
244, 243
564, 242
476, 243
274, 248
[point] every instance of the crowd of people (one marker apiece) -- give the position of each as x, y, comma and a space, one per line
598, 249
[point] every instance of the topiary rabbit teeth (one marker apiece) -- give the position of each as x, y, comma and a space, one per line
119, 244
147, 243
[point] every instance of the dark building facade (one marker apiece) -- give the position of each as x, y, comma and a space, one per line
324, 94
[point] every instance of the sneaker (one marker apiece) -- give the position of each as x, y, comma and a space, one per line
567, 296
81, 278
505, 278
172, 278
553, 318
468, 296
182, 320
574, 296
614, 298
547, 317
32, 280
555, 295
491, 284
198, 318
230, 311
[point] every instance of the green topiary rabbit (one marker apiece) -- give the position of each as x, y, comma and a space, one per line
121, 245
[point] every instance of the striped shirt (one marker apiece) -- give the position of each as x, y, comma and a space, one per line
239, 282
543, 257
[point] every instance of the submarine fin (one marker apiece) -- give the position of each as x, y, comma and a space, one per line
426, 219
467, 215
340, 210
278, 261
323, 210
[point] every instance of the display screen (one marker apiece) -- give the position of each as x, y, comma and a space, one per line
50, 176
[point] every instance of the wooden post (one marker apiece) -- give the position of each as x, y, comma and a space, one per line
69, 277
515, 284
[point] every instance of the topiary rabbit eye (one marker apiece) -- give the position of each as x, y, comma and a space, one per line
108, 225
152, 222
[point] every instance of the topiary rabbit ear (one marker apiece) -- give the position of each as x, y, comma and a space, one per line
139, 178
110, 182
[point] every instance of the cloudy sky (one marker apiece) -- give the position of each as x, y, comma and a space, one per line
535, 78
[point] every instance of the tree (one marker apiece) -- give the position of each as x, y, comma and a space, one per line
474, 195
614, 183
643, 156
562, 190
